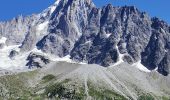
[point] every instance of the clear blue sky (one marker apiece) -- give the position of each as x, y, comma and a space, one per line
12, 8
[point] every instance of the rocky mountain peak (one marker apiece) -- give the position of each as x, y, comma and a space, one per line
105, 36
158, 24
66, 25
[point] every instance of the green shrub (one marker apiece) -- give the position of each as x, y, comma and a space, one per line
48, 78
146, 97
105, 94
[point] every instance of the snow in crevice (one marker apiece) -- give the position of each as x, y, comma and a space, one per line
120, 59
52, 9
156, 69
137, 64
88, 42
77, 29
141, 67
108, 35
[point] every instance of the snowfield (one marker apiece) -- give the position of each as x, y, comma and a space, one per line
9, 64
20, 60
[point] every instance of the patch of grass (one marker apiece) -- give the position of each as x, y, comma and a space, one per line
55, 89
29, 74
60, 91
48, 78
165, 98
79, 94
103, 94
15, 86
146, 97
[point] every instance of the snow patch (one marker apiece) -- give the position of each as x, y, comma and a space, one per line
54, 58
42, 26
53, 7
120, 59
108, 35
11, 64
156, 69
87, 42
66, 58
140, 66
3, 40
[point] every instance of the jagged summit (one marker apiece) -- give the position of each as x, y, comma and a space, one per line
84, 33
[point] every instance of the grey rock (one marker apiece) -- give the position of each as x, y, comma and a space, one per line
65, 27
164, 65
2, 45
157, 51
124, 27
128, 59
16, 29
30, 41
13, 53
101, 31
36, 60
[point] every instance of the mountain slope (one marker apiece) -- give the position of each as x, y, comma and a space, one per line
74, 81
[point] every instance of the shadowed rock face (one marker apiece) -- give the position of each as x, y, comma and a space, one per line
156, 53
29, 41
99, 35
66, 26
124, 27
37, 60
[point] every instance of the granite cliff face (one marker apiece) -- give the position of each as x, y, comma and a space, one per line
103, 36
66, 26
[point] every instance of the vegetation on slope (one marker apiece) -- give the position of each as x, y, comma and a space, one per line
17, 87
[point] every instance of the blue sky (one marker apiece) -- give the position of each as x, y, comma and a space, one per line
12, 8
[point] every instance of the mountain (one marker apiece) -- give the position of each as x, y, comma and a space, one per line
112, 48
